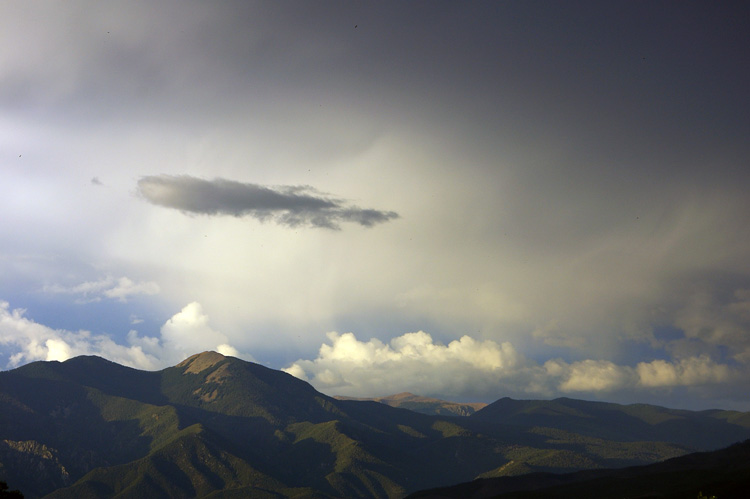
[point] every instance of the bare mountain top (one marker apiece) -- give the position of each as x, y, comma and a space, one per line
201, 361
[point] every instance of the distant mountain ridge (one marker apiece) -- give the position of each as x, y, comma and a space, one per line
699, 430
215, 425
424, 405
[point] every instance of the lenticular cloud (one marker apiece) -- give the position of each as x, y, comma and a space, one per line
288, 205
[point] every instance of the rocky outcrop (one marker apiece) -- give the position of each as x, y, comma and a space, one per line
30, 463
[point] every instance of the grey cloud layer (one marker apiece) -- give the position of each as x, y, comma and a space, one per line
292, 206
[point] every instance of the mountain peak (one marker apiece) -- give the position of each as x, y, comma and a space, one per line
201, 361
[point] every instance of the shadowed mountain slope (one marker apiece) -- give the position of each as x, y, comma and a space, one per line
723, 473
215, 425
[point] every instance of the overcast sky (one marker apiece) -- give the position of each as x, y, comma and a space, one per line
462, 200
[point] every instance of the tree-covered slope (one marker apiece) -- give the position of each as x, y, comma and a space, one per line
192, 464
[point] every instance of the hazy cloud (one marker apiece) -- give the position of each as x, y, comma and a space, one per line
120, 289
710, 320
287, 205
126, 288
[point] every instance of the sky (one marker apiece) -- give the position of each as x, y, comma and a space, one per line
466, 200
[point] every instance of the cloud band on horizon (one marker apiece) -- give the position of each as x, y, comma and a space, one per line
292, 206
484, 369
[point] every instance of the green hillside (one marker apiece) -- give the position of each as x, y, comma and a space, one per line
216, 426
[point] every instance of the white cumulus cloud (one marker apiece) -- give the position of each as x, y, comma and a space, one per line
412, 362
485, 369
189, 332
186, 333
30, 341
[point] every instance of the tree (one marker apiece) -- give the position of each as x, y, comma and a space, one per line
9, 494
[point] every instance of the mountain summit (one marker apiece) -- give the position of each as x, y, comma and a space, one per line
200, 361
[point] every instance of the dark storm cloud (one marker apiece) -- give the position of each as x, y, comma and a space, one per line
286, 205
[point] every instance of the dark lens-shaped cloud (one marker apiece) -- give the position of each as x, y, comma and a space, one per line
288, 205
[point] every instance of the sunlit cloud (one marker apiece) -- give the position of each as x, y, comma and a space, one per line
28, 341
189, 331
186, 333
414, 362
411, 362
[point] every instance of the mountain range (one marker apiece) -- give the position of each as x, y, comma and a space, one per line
216, 426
